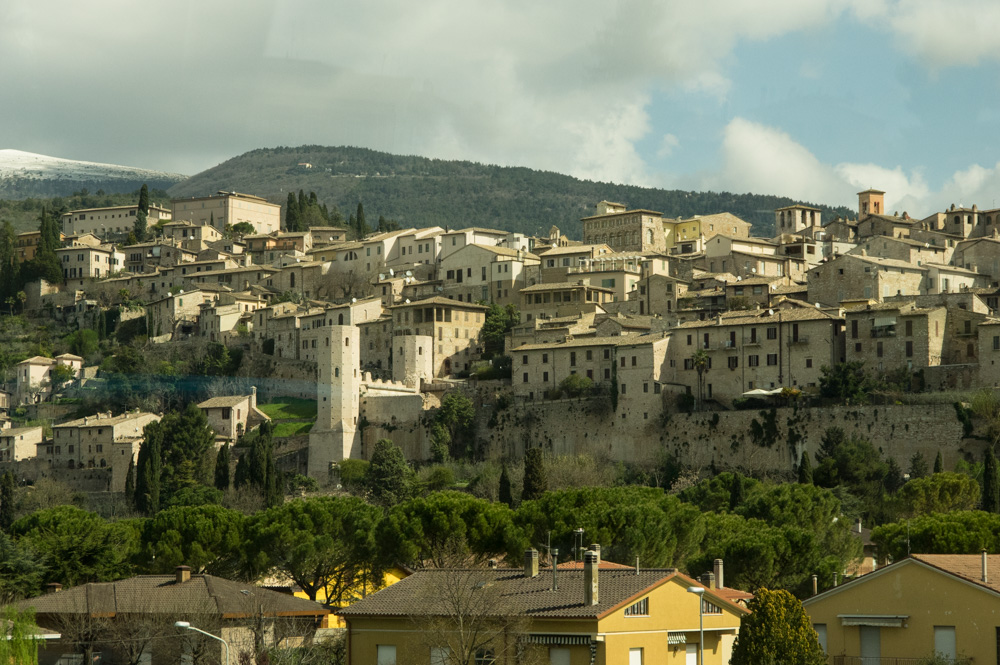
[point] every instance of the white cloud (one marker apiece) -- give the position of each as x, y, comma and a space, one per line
668, 144
942, 34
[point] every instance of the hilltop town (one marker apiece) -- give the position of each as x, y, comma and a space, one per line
645, 316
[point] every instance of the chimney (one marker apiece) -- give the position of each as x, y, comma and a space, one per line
815, 584
857, 525
555, 569
596, 549
708, 580
182, 573
492, 563
253, 397
53, 587
590, 575
531, 563
986, 578
719, 583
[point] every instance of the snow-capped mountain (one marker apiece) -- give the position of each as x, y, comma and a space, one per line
24, 174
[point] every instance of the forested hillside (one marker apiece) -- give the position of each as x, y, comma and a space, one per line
416, 191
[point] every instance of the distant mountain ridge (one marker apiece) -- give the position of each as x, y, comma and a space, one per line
418, 191
29, 175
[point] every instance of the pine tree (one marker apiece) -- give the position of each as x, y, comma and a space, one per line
505, 493
7, 484
918, 466
222, 468
805, 470
130, 480
536, 482
144, 199
292, 213
147, 485
991, 482
938, 463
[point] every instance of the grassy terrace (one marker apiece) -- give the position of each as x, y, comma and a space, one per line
291, 416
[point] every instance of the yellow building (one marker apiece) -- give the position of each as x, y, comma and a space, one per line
948, 604
359, 592
228, 208
594, 615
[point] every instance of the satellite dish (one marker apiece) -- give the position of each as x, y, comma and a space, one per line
409, 273
753, 270
407, 301
817, 305
440, 288
390, 272
739, 279
354, 299
381, 276
770, 312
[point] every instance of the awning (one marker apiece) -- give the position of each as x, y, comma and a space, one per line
880, 620
559, 640
676, 638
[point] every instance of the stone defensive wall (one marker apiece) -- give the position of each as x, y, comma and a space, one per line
752, 440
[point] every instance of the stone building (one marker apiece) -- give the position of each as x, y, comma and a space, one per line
795, 218
625, 230
232, 416
112, 220
97, 442
784, 346
454, 327
228, 209
562, 299
892, 335
863, 277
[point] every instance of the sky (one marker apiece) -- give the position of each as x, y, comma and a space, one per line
812, 99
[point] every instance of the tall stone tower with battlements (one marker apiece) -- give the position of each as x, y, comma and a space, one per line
338, 385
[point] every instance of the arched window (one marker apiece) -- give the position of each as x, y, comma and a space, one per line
649, 236
71, 464
340, 319
292, 279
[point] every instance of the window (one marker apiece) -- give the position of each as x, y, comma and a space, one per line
753, 361
607, 354
820, 629
572, 358
733, 362
688, 363
854, 328
689, 340
635, 656
639, 609
524, 360
708, 607
545, 377
590, 355
483, 657
996, 342
440, 655
525, 377
772, 359
809, 363
909, 328
385, 654
944, 642
772, 332
545, 358
878, 349
909, 349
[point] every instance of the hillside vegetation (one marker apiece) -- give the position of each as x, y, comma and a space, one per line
416, 191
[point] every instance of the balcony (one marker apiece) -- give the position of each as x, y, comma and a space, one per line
727, 344
884, 331
858, 660
801, 339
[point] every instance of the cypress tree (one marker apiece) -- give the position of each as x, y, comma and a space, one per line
7, 501
938, 463
139, 226
130, 480
535, 480
362, 224
505, 493
273, 495
805, 470
736, 495
222, 468
102, 325
918, 466
147, 485
292, 213
144, 199
991, 483
242, 476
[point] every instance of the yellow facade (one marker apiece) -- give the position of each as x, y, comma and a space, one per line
391, 576
909, 610
611, 638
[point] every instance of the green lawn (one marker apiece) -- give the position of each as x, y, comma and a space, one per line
290, 408
291, 429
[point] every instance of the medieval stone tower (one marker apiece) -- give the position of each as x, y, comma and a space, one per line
338, 385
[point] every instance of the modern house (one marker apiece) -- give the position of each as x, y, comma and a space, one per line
596, 615
926, 604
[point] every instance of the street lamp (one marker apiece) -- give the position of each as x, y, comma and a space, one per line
700, 592
188, 626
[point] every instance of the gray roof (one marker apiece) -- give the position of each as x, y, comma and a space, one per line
420, 593
161, 594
